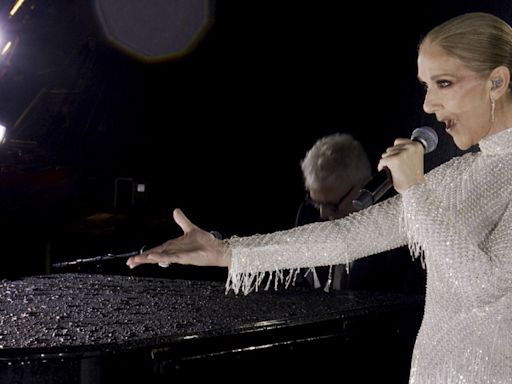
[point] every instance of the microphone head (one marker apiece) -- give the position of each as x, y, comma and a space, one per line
427, 137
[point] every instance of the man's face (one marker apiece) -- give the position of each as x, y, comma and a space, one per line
333, 201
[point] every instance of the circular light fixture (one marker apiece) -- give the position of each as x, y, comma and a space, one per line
156, 29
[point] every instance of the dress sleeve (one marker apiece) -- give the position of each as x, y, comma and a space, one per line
360, 234
479, 272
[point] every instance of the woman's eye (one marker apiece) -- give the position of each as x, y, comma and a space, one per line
443, 83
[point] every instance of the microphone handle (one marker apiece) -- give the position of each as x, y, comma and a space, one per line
379, 184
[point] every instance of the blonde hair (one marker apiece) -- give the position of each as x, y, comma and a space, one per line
335, 158
480, 40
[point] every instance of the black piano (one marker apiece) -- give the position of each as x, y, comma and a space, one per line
82, 328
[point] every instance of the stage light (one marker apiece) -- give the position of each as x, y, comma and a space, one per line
3, 131
15, 7
157, 29
6, 47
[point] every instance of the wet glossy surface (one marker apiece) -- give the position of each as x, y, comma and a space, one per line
105, 312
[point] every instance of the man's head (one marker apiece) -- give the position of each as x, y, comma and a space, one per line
334, 170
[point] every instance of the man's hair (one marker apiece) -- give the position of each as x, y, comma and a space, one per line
336, 158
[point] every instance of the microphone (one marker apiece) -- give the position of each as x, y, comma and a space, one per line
383, 181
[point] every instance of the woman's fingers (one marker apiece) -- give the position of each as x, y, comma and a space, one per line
182, 220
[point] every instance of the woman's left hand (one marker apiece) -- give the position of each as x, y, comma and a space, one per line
405, 162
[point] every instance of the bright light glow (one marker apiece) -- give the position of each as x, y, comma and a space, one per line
2, 134
17, 6
6, 47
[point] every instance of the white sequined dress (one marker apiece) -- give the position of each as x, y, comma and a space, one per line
460, 219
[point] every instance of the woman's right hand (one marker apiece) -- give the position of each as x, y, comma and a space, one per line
405, 161
195, 246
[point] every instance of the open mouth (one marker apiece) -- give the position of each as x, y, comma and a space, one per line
449, 125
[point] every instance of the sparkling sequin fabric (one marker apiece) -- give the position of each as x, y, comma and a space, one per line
460, 221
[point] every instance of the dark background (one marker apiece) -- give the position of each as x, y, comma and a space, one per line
218, 131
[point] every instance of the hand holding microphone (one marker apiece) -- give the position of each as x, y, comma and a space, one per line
404, 161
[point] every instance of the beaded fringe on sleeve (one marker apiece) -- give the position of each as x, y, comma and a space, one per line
277, 257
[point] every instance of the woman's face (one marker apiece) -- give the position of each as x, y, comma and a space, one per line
458, 97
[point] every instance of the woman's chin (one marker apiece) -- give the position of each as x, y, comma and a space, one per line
461, 143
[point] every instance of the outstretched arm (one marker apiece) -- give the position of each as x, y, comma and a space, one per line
195, 246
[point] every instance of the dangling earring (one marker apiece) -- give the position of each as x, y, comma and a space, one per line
493, 109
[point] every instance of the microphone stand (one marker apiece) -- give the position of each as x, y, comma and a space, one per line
108, 256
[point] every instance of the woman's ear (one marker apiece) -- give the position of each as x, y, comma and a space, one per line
500, 80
